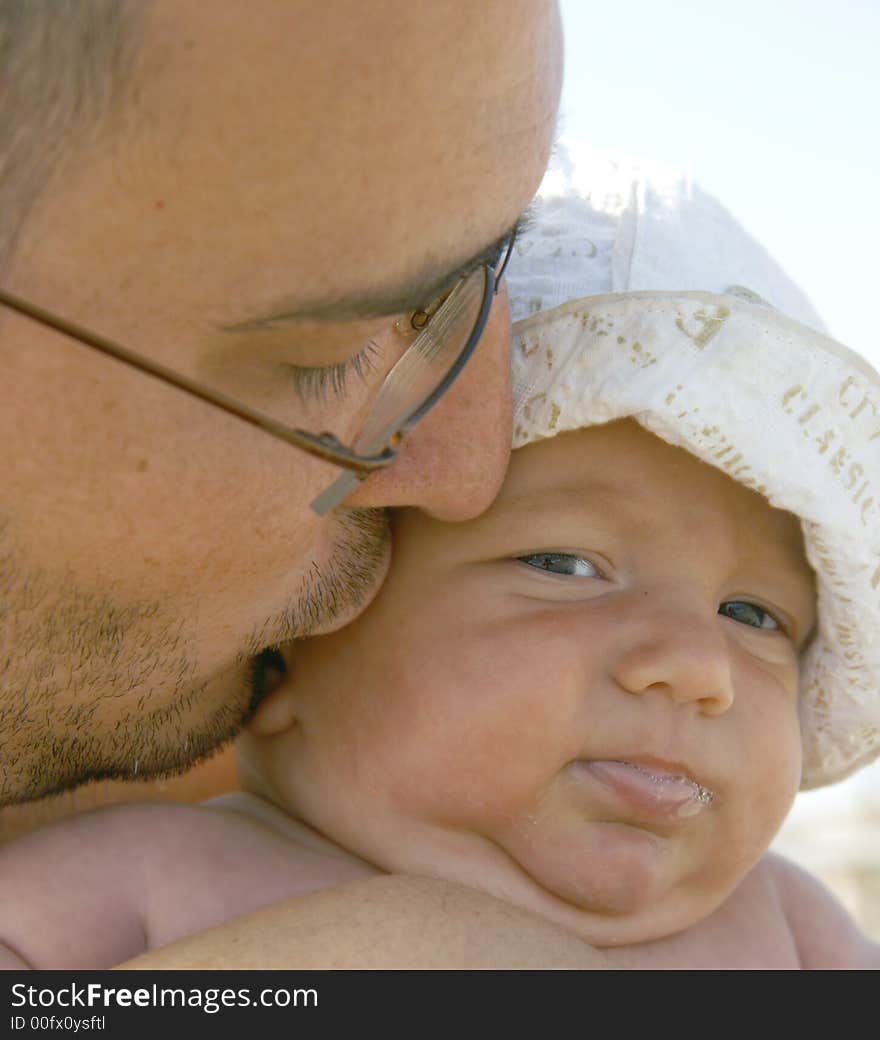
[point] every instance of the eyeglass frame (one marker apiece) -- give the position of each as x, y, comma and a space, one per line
325, 446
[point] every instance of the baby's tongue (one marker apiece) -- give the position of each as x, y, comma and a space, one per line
651, 788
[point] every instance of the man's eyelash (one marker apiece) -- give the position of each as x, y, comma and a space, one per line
316, 384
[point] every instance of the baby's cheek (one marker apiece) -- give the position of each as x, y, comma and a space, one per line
466, 785
769, 775
475, 778
464, 730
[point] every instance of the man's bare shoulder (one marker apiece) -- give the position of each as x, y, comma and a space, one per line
825, 935
384, 922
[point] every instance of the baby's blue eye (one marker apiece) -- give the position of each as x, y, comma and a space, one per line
561, 563
748, 614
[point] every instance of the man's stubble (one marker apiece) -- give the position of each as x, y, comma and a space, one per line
66, 654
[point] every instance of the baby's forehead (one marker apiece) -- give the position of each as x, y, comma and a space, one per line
623, 472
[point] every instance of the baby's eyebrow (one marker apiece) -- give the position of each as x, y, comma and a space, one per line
572, 498
583, 502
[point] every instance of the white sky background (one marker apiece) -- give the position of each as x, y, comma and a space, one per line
773, 106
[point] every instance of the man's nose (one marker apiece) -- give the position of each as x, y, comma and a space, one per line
682, 654
453, 463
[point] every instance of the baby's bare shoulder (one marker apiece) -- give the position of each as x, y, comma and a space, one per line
213, 864
144, 843
748, 931
142, 875
825, 935
80, 887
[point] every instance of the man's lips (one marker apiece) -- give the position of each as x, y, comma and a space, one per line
658, 790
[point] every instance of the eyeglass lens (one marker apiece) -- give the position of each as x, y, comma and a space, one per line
411, 382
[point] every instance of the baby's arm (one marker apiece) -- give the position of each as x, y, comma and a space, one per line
824, 933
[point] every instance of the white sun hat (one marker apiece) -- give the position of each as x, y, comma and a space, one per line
640, 296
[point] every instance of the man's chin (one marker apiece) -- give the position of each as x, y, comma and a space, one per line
135, 749
141, 709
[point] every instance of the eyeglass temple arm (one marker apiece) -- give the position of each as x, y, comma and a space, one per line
325, 445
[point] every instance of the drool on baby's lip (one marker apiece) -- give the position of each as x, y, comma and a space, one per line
652, 789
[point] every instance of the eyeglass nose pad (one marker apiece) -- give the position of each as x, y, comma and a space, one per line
407, 329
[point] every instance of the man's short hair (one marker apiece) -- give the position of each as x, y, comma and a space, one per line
66, 69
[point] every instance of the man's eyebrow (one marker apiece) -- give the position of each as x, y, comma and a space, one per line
415, 294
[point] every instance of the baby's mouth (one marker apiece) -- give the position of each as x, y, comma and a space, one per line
652, 789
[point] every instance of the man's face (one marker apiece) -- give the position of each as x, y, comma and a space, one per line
288, 181
585, 701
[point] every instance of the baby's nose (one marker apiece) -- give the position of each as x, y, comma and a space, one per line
684, 655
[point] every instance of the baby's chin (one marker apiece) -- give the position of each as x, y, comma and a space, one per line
613, 910
612, 883
632, 890
623, 885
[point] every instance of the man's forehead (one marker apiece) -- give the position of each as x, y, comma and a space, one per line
349, 164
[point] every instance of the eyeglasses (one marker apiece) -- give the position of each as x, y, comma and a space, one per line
448, 331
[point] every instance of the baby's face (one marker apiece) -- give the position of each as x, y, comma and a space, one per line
585, 701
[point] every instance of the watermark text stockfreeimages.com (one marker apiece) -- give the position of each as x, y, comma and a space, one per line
210, 999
